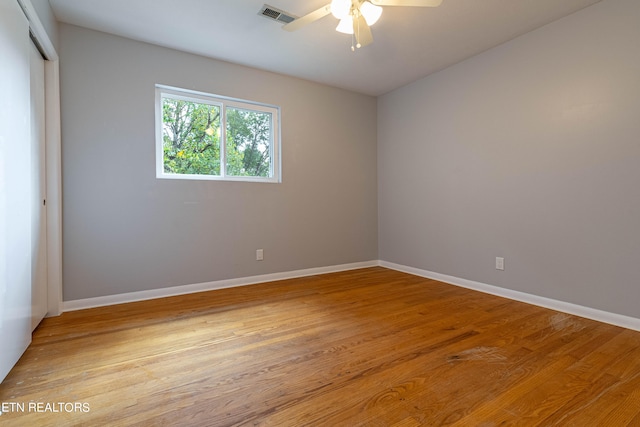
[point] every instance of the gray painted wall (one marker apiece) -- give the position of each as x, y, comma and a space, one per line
125, 230
530, 151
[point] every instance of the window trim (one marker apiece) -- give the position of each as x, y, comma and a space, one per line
275, 175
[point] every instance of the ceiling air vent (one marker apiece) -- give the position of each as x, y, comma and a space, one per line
276, 14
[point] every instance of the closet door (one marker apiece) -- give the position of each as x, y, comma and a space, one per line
38, 195
15, 186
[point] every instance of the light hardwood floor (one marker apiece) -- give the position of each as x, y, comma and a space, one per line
370, 347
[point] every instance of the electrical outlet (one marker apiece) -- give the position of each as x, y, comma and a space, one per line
499, 263
259, 254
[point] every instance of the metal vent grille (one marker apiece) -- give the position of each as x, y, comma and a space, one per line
276, 14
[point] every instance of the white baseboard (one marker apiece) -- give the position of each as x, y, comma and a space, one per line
565, 307
82, 304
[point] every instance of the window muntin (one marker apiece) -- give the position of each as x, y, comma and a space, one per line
202, 136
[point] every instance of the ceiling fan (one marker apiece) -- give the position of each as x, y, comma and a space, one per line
356, 16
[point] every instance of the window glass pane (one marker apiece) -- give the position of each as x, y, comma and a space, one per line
248, 142
190, 137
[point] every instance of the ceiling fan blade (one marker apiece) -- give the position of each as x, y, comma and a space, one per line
415, 3
362, 31
308, 18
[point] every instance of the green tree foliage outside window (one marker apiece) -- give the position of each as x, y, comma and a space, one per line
248, 138
191, 137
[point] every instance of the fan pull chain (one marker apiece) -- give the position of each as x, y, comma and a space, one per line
353, 36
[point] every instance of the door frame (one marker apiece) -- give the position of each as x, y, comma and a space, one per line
53, 158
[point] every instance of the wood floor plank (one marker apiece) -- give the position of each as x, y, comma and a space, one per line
369, 347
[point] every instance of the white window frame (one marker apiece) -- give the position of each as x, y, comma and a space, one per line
223, 102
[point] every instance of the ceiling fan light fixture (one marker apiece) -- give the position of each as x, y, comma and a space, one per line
340, 8
345, 25
371, 12
355, 16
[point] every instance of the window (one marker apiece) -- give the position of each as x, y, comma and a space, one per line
203, 136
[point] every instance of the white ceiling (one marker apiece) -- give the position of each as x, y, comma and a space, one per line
409, 42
